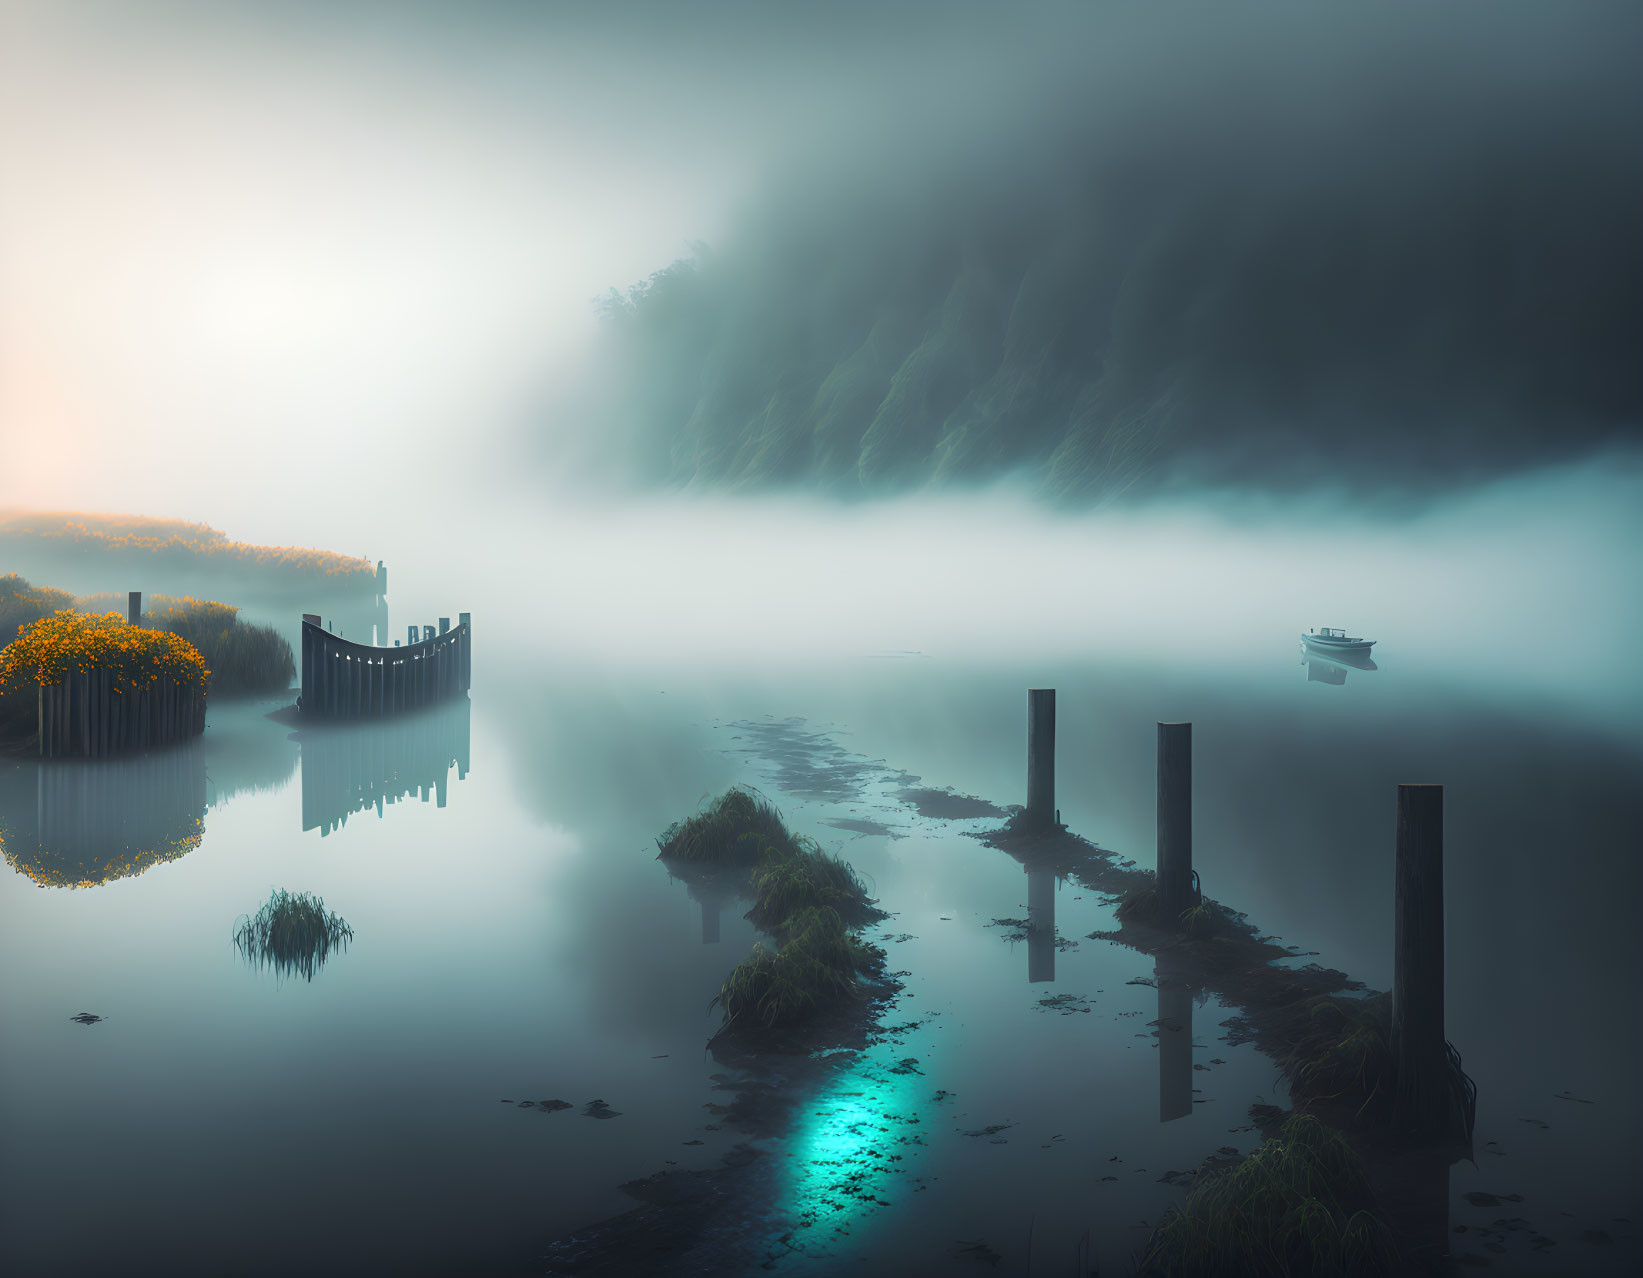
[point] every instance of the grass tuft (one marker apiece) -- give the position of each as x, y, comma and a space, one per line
1298, 1205
816, 965
735, 830
293, 934
785, 886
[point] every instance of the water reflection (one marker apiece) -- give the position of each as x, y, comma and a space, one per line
245, 753
353, 768
71, 823
711, 889
1332, 669
1040, 923
1174, 1028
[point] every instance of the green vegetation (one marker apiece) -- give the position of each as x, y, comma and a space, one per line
1203, 921
786, 884
292, 934
815, 966
736, 830
806, 899
1344, 1053
244, 659
1298, 1205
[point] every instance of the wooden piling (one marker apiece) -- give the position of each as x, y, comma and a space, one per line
1174, 818
1421, 1102
134, 607
1041, 757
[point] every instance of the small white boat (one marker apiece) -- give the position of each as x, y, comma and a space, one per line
1331, 640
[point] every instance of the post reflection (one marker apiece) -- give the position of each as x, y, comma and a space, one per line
352, 768
1040, 923
80, 824
1174, 1029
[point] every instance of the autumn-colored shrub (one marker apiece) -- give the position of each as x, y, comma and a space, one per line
67, 642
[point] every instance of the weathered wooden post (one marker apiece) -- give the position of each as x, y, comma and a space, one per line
411, 636
444, 625
1040, 758
465, 619
1040, 923
1174, 818
1418, 1047
134, 607
427, 633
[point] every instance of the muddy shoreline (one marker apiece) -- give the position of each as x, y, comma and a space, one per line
725, 1219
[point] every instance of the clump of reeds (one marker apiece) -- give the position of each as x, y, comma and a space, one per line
817, 964
735, 830
244, 659
293, 934
1201, 921
1140, 904
785, 885
1300, 1204
1344, 1052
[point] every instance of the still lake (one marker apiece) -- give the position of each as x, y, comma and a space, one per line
516, 940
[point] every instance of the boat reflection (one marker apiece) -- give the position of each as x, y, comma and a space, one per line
351, 768
1332, 669
80, 824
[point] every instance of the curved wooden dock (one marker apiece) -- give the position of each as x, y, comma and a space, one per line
343, 680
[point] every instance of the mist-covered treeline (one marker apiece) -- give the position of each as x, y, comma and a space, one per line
1277, 246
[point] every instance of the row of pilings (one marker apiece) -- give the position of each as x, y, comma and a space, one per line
89, 716
1420, 1051
344, 680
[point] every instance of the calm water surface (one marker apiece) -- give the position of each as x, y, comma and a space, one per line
516, 940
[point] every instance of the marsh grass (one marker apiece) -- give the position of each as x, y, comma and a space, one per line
816, 965
735, 830
806, 900
1344, 1052
1300, 1204
293, 934
786, 886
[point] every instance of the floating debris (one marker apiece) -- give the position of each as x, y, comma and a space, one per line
88, 1018
1578, 1100
598, 1109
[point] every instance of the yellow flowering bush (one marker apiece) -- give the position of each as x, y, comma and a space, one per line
67, 642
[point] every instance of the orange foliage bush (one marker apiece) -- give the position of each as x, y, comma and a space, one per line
66, 642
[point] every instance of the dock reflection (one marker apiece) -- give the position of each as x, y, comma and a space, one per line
353, 768
80, 824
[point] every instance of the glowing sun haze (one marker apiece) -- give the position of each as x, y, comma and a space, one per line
235, 246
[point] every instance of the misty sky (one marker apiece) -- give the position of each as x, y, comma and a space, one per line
237, 236
262, 258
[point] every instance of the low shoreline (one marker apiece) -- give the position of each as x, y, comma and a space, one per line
722, 1219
